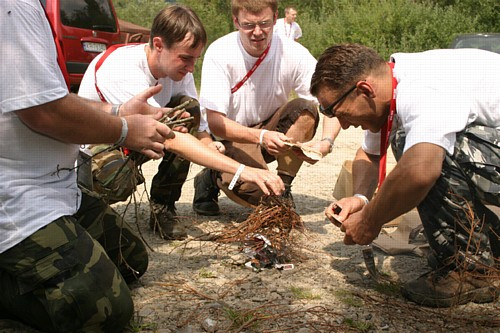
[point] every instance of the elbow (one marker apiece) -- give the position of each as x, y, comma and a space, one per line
425, 178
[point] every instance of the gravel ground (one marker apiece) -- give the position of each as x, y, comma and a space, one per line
197, 286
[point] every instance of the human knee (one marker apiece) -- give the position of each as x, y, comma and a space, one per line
90, 306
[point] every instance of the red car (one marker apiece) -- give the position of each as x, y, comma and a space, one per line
84, 28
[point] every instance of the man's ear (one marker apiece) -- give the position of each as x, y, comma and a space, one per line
157, 43
366, 88
235, 22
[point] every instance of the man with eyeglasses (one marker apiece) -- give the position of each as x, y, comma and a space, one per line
440, 110
247, 78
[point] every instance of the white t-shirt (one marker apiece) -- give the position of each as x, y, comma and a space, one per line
125, 73
32, 191
289, 30
288, 66
440, 92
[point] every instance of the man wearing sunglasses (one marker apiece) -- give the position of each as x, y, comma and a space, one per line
445, 108
247, 78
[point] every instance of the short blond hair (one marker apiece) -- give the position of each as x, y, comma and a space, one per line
253, 6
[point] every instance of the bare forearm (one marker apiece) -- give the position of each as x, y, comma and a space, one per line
230, 130
73, 119
193, 150
331, 128
365, 173
407, 185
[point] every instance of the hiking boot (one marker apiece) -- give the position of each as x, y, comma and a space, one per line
206, 193
287, 195
445, 288
164, 221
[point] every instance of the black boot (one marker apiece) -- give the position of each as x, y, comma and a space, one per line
206, 193
164, 221
287, 194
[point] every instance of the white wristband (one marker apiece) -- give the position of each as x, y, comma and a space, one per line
261, 137
124, 132
236, 177
362, 197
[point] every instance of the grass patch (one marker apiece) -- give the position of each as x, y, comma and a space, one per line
389, 289
238, 318
346, 297
303, 293
362, 326
206, 274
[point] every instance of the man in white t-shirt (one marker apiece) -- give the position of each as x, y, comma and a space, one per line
62, 254
287, 27
177, 41
65, 256
247, 78
440, 110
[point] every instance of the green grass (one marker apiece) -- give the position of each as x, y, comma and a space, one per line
238, 318
206, 274
347, 298
359, 325
303, 293
389, 288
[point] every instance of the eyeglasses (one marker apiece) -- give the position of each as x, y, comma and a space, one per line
251, 26
329, 111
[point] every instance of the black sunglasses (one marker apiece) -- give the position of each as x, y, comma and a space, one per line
329, 111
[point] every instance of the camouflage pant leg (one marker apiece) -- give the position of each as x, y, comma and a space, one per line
460, 229
122, 245
173, 170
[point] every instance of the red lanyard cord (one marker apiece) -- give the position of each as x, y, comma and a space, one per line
101, 61
386, 130
252, 70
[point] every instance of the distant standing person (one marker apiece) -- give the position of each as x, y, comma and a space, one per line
287, 26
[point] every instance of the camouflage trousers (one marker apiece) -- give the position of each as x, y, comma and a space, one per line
71, 275
173, 170
460, 229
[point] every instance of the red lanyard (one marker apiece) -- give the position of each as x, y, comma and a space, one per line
289, 31
250, 72
98, 65
386, 131
60, 55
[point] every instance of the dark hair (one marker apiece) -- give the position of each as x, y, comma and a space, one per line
253, 6
172, 24
343, 65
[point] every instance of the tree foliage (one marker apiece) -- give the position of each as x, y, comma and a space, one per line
386, 25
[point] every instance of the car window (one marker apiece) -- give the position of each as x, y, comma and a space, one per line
88, 14
490, 43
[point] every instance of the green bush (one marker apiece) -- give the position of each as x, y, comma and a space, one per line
386, 25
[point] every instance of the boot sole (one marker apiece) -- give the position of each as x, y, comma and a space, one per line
206, 212
482, 295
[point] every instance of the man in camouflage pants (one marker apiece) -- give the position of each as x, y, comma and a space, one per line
65, 256
442, 110
73, 273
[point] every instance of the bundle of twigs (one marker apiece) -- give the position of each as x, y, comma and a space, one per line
171, 119
273, 218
